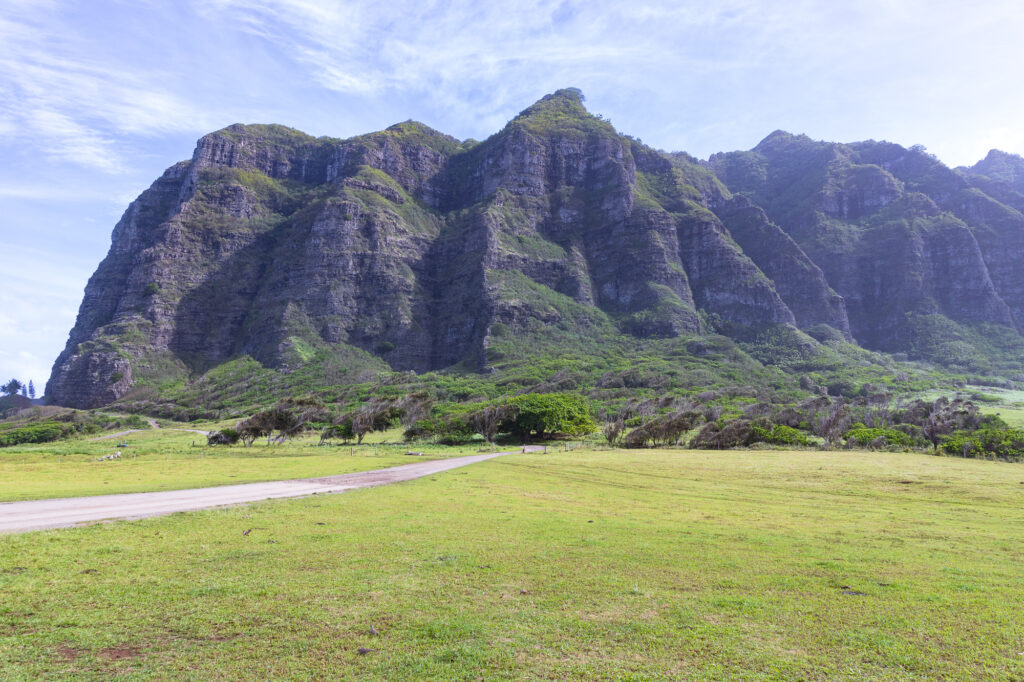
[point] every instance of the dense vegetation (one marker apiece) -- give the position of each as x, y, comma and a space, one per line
712, 420
39, 425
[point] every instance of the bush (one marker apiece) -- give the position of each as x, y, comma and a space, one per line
44, 432
716, 436
420, 430
987, 443
223, 437
779, 434
876, 437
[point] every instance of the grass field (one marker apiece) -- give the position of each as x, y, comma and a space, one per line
173, 459
584, 565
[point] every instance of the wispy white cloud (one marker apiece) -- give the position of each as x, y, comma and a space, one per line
472, 64
73, 107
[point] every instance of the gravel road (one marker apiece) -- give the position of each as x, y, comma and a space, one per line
18, 517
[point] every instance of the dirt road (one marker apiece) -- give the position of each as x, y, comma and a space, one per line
18, 517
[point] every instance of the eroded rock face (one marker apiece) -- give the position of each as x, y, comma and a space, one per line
800, 283
893, 231
418, 249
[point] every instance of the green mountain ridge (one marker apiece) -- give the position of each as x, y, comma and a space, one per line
555, 254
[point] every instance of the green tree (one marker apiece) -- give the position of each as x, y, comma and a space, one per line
542, 414
31, 390
11, 387
341, 429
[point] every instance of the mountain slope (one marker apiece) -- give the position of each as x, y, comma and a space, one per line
324, 259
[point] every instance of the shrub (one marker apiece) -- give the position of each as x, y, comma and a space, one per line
779, 434
44, 432
223, 437
876, 437
987, 443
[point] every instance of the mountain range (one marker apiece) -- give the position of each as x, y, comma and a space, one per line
407, 249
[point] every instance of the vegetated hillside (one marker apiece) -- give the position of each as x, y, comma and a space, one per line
557, 254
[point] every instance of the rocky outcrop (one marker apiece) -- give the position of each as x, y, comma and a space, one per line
429, 253
894, 232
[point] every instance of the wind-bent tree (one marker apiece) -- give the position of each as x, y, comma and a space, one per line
288, 418
487, 420
613, 430
340, 428
667, 429
378, 414
833, 422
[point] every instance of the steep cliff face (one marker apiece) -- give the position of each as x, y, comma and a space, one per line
895, 233
800, 283
410, 248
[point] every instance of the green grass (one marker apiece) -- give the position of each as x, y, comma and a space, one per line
582, 565
168, 460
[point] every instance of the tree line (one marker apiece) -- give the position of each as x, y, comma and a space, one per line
872, 420
15, 387
523, 417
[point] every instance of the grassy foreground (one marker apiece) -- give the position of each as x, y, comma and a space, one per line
585, 565
173, 459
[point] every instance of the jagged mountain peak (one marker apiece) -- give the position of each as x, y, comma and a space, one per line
568, 100
559, 112
1002, 167
781, 138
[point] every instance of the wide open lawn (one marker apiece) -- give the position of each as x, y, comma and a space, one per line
582, 565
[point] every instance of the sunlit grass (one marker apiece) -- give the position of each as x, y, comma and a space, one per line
582, 565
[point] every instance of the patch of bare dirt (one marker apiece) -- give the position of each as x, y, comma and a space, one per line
68, 653
118, 653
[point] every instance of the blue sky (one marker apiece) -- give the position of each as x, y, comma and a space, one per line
98, 97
